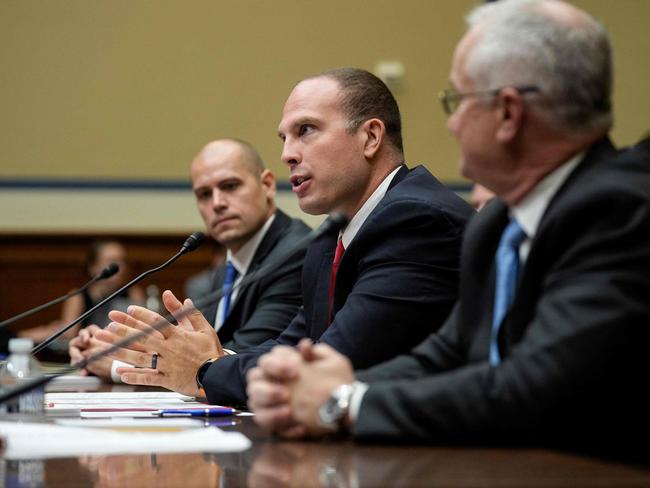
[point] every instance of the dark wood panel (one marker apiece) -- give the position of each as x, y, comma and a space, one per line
37, 268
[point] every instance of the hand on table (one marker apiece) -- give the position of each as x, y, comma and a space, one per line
180, 350
288, 386
85, 345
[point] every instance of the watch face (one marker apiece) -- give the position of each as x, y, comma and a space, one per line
330, 413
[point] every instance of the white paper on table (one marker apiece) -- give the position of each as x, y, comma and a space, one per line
117, 404
116, 400
90, 398
156, 423
38, 441
73, 382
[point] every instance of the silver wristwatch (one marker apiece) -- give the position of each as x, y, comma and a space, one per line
333, 412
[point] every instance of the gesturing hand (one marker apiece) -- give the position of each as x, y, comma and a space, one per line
180, 350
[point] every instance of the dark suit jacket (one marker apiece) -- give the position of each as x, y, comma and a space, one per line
574, 342
263, 308
396, 282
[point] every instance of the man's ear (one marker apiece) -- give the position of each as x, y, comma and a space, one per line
374, 132
511, 109
267, 178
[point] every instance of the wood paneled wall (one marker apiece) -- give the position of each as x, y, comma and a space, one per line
37, 268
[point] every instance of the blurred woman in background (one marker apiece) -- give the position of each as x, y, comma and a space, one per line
101, 254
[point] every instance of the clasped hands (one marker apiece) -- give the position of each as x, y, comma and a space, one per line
288, 386
179, 350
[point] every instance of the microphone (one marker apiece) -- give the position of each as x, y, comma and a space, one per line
333, 223
107, 272
190, 244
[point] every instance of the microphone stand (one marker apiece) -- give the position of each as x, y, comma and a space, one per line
334, 222
107, 272
191, 243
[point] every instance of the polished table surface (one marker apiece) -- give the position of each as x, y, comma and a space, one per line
333, 463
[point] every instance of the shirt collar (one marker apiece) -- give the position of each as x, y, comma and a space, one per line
366, 209
242, 259
530, 210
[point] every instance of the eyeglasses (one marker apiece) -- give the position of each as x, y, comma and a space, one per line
450, 98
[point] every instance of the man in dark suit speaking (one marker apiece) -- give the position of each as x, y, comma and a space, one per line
548, 342
371, 292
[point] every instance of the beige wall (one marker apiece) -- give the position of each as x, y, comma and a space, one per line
132, 88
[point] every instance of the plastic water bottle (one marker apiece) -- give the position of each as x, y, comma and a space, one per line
20, 367
153, 302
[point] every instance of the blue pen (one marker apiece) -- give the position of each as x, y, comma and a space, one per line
196, 412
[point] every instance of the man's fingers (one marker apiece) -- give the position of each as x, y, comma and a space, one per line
113, 333
275, 419
323, 351
196, 318
264, 394
92, 329
140, 359
305, 347
282, 363
147, 377
174, 306
149, 342
293, 432
75, 354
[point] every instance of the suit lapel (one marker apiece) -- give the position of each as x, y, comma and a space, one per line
323, 248
210, 311
273, 235
530, 282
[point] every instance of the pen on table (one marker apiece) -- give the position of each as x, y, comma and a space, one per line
196, 412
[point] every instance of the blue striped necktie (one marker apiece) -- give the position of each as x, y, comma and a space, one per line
507, 263
228, 282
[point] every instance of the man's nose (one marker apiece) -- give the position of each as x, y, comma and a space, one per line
290, 154
219, 200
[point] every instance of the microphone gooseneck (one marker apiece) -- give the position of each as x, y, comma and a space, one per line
107, 272
190, 244
332, 224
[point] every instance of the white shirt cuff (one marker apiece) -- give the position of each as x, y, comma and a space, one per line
355, 402
118, 364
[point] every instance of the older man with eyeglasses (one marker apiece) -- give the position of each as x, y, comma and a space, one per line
548, 341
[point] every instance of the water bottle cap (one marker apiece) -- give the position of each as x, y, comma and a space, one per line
20, 345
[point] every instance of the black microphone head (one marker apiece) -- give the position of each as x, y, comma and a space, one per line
108, 271
192, 242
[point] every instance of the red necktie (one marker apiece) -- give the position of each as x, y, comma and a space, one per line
335, 267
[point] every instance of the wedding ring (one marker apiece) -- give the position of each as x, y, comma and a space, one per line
154, 360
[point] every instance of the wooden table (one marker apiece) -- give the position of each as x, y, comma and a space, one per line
341, 463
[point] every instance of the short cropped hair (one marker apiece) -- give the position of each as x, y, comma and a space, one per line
364, 96
521, 44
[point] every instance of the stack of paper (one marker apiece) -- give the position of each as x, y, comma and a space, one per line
37, 441
116, 404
